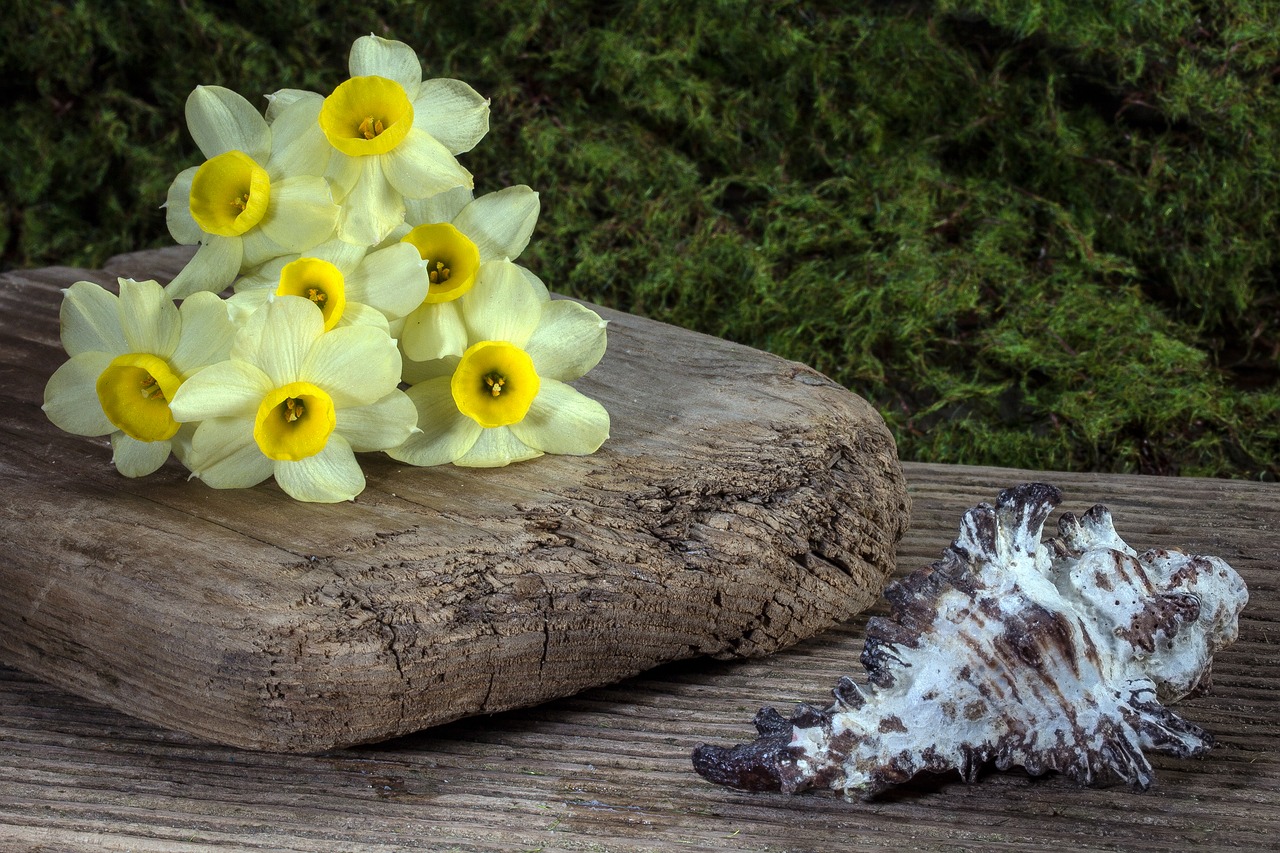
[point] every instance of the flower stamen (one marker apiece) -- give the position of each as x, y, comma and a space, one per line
440, 274
151, 389
371, 127
495, 381
293, 409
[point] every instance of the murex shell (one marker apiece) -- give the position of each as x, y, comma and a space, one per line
1054, 656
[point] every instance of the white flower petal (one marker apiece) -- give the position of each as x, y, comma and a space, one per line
434, 330
282, 99
569, 341
441, 207
502, 306
500, 223
355, 365
383, 424
207, 332
412, 372
135, 458
453, 112
225, 456
277, 337
343, 173
90, 320
177, 213
374, 56
257, 248
266, 276
359, 314
148, 318
221, 120
300, 214
241, 306
394, 280
343, 255
298, 145
232, 388
330, 476
214, 267
420, 166
495, 448
372, 208
71, 395
536, 283
563, 420
446, 433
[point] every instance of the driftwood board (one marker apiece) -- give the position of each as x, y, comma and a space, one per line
609, 769
743, 503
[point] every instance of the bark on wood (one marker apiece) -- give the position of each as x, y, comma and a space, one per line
608, 769
743, 503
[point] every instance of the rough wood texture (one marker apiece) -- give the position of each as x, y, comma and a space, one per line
743, 503
609, 769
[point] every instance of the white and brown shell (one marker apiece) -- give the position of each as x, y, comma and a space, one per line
1055, 656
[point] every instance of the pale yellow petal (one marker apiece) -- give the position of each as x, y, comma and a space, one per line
148, 318
282, 99
379, 57
381, 425
301, 213
433, 331
372, 208
569, 341
420, 166
441, 207
452, 112
502, 306
232, 388
496, 448
135, 458
177, 213
500, 223
277, 337
563, 420
71, 395
214, 267
355, 365
298, 145
90, 320
393, 279
446, 433
207, 332
329, 476
225, 456
221, 120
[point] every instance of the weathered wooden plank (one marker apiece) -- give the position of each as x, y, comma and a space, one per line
609, 769
743, 503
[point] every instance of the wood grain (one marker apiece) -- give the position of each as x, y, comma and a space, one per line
743, 503
609, 770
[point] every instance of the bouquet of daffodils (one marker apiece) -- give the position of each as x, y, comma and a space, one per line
377, 305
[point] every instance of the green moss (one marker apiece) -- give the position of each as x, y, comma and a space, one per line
1035, 234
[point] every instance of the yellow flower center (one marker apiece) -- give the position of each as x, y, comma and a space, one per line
135, 391
366, 115
495, 383
294, 422
452, 259
319, 281
229, 194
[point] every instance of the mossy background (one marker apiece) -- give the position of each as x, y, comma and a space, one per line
1034, 234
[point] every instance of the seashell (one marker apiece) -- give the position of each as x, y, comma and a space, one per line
1057, 656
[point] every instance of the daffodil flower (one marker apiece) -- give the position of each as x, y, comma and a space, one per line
296, 402
506, 398
253, 199
390, 135
348, 284
129, 356
457, 235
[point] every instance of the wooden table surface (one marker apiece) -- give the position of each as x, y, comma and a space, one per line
609, 769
